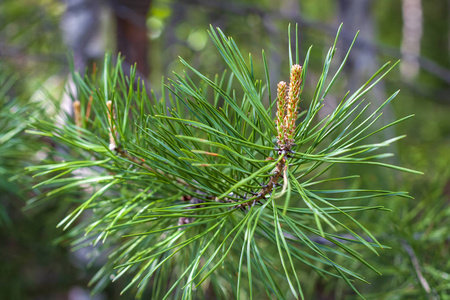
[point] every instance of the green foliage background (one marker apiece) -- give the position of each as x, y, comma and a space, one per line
417, 230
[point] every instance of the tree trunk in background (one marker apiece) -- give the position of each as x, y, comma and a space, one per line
362, 63
132, 40
80, 26
356, 15
80, 29
412, 36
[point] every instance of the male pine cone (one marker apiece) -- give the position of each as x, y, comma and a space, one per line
287, 109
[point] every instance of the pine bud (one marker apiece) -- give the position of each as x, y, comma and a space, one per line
77, 112
293, 99
281, 110
112, 141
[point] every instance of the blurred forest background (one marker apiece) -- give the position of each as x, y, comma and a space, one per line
40, 39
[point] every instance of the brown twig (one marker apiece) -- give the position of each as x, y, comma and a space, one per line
142, 163
267, 188
415, 262
273, 181
124, 153
195, 203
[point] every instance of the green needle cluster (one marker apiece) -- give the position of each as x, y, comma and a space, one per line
188, 194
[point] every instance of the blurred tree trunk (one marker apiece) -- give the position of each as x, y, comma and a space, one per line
357, 15
80, 26
81, 30
411, 38
132, 40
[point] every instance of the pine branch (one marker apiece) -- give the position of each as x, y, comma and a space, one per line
169, 177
